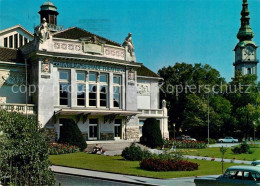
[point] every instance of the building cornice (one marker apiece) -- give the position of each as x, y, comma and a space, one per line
78, 57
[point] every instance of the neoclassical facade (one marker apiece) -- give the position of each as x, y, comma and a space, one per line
72, 73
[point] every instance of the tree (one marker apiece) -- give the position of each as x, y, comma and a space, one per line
70, 134
24, 151
223, 150
186, 88
151, 133
245, 99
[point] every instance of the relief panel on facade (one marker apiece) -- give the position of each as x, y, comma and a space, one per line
143, 89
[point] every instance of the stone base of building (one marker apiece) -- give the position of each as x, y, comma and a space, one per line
50, 134
132, 133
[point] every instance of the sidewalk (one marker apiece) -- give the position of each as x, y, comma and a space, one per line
218, 159
123, 178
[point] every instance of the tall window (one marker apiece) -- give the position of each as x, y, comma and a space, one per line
5, 42
92, 89
11, 42
81, 88
25, 40
249, 71
117, 127
16, 41
103, 91
64, 87
20, 40
117, 91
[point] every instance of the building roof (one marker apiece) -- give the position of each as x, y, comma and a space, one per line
10, 55
15, 27
77, 33
144, 71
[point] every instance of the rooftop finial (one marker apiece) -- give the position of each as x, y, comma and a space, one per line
245, 31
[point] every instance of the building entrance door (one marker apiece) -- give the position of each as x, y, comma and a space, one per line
93, 129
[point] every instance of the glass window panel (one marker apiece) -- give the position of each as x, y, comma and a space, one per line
5, 42
117, 80
81, 76
21, 40
64, 75
93, 76
81, 102
10, 41
25, 40
92, 95
16, 41
64, 92
103, 78
81, 88
63, 101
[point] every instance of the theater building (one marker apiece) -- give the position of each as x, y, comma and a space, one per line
72, 73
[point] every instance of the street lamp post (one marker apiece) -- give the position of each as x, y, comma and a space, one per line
254, 130
174, 130
208, 117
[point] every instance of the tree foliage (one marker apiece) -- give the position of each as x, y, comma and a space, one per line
193, 91
24, 151
151, 133
70, 134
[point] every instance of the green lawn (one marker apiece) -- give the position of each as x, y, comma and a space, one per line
116, 164
214, 152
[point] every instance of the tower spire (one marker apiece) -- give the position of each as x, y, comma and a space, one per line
245, 31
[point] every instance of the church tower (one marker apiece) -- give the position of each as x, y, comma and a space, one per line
49, 12
245, 51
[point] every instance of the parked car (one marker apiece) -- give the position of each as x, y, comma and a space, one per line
256, 163
235, 175
228, 140
186, 138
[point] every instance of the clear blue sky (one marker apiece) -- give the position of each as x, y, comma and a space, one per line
164, 31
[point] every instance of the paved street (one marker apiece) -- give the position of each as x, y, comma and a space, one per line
89, 175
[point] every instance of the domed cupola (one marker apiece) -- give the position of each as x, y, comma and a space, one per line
49, 12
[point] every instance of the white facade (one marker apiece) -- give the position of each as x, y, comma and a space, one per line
90, 79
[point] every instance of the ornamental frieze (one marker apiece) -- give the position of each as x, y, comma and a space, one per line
65, 46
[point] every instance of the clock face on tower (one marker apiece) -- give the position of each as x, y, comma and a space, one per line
249, 53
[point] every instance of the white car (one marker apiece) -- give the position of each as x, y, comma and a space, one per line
228, 140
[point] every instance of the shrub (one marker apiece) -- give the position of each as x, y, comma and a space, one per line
155, 164
211, 141
70, 134
242, 149
184, 144
135, 153
56, 148
151, 133
24, 151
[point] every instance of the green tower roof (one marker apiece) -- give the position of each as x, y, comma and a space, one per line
245, 32
48, 6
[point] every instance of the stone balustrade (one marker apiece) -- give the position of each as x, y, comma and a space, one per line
152, 112
21, 108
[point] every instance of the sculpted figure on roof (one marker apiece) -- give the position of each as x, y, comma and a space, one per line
43, 31
129, 43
